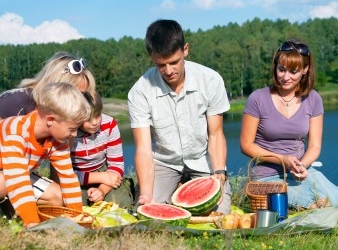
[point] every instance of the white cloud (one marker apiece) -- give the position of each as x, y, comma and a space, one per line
212, 4
13, 30
168, 5
204, 4
325, 11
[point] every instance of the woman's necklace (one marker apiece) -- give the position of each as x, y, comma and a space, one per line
287, 103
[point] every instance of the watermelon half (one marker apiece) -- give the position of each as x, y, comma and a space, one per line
168, 213
199, 196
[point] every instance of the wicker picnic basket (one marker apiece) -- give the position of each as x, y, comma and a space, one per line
257, 192
49, 212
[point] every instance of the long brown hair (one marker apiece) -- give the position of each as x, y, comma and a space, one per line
292, 59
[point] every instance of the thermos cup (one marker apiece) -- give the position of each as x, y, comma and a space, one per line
278, 202
266, 218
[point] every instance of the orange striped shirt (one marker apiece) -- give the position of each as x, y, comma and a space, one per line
20, 154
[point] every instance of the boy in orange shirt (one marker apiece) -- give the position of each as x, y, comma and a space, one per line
26, 141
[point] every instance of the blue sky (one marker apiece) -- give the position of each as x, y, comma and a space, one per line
41, 21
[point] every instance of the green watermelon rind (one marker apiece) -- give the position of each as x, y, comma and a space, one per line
177, 221
203, 208
206, 207
183, 222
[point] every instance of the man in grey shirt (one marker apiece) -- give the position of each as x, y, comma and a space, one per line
178, 105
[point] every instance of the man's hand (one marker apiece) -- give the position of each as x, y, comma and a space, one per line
145, 199
222, 179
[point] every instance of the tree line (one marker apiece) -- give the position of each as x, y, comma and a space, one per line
242, 54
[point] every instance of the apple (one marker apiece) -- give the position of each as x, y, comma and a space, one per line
236, 210
253, 220
245, 221
230, 221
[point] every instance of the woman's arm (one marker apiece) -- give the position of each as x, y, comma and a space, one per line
314, 141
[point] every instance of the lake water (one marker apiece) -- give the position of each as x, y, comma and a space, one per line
237, 162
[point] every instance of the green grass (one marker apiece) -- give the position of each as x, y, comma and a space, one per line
131, 238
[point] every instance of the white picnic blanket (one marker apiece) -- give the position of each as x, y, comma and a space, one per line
324, 219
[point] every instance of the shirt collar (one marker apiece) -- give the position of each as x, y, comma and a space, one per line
164, 89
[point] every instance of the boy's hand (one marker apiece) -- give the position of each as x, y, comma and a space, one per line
113, 179
95, 194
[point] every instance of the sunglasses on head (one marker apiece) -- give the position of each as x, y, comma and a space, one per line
299, 47
75, 66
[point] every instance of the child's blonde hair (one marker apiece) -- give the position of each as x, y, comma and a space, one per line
62, 99
54, 71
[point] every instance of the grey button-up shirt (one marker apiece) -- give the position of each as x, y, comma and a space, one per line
178, 123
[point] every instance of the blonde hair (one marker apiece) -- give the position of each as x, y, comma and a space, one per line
54, 71
62, 99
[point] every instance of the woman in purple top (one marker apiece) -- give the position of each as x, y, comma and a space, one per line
285, 120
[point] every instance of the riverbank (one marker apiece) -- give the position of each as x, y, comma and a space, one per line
118, 108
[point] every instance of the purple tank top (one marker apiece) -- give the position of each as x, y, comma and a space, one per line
277, 133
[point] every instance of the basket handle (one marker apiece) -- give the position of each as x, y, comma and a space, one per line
257, 158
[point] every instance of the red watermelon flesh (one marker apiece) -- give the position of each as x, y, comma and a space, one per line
163, 211
199, 195
168, 213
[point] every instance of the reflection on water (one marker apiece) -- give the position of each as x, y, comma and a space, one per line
237, 163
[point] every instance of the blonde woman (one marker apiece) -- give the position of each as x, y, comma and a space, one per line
61, 67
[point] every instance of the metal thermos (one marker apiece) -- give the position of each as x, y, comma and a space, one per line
265, 218
278, 202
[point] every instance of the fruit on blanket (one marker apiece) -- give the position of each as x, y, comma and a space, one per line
168, 213
236, 210
199, 195
114, 218
245, 221
253, 220
100, 207
230, 221
78, 218
234, 221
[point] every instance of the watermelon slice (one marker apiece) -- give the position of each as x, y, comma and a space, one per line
168, 213
199, 196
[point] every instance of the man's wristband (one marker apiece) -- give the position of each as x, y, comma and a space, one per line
220, 172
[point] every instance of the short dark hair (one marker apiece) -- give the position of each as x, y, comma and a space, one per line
95, 103
164, 38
